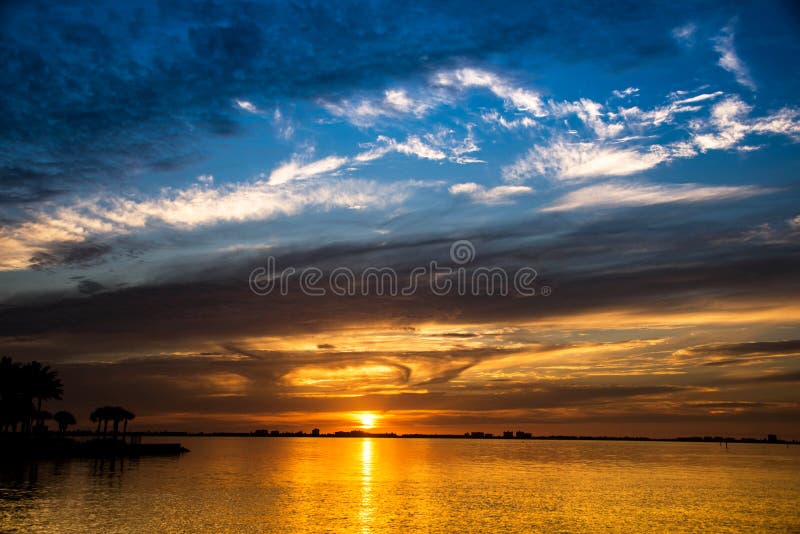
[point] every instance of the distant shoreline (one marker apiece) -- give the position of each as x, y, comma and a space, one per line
485, 436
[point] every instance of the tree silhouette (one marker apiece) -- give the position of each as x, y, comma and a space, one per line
100, 416
64, 419
20, 386
113, 414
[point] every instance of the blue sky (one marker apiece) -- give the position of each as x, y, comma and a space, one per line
157, 152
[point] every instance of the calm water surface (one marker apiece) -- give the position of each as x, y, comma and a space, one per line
373, 485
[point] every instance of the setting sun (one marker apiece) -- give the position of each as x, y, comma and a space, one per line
366, 420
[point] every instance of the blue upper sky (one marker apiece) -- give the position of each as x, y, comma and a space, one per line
155, 144
158, 124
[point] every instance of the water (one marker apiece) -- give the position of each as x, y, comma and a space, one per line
374, 485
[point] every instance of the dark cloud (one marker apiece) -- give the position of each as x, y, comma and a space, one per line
70, 254
88, 287
185, 304
726, 354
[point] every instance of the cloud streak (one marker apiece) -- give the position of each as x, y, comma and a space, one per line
619, 194
729, 59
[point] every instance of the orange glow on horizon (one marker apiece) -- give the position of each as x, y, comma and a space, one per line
367, 420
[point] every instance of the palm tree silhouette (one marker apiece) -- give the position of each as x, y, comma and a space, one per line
120, 414
100, 416
127, 416
41, 383
113, 414
64, 419
20, 385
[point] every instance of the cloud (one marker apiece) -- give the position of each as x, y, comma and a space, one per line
698, 98
494, 117
738, 353
394, 103
247, 106
89, 287
625, 92
727, 125
632, 194
685, 34
495, 195
517, 97
569, 161
437, 146
283, 125
105, 97
397, 102
730, 123
296, 170
730, 61
30, 242
591, 114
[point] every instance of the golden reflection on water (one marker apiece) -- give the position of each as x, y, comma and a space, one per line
388, 485
366, 511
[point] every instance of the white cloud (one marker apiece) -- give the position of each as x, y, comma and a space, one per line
495, 195
493, 117
783, 122
394, 103
247, 106
586, 160
296, 170
283, 125
399, 100
729, 124
591, 114
685, 34
187, 209
633, 194
519, 98
414, 146
655, 117
730, 61
625, 92
439, 145
206, 178
698, 98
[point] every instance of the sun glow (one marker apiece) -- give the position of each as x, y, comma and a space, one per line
367, 420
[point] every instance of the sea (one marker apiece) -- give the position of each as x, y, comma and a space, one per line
240, 484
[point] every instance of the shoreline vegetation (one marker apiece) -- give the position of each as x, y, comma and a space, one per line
25, 388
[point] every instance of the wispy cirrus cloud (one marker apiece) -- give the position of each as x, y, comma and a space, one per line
437, 146
576, 161
730, 60
394, 103
493, 195
685, 34
727, 125
621, 194
190, 208
517, 97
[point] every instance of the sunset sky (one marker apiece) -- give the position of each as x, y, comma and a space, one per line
644, 160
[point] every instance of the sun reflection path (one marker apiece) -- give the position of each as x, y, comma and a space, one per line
367, 511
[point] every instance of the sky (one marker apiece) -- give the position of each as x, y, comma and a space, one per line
641, 157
